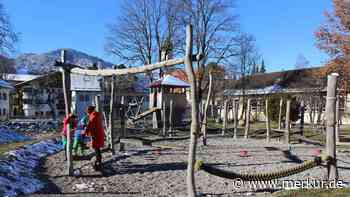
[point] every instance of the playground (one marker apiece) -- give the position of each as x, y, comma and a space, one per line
174, 152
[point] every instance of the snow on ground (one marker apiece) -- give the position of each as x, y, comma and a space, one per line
17, 174
8, 136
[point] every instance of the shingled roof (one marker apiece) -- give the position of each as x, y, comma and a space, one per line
300, 78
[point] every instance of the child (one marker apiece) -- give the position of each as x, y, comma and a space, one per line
71, 119
79, 135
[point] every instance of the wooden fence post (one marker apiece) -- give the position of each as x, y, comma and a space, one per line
122, 117
235, 118
224, 122
332, 171
337, 120
280, 114
164, 117
268, 127
287, 131
247, 119
302, 113
68, 102
171, 117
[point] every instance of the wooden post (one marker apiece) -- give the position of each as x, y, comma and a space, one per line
67, 101
332, 171
268, 127
224, 122
280, 114
247, 119
235, 118
337, 119
287, 131
122, 117
190, 180
97, 103
112, 142
302, 112
171, 117
164, 117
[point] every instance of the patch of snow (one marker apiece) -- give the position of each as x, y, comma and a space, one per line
17, 174
7, 136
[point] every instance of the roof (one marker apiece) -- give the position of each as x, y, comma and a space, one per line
4, 84
300, 78
178, 73
85, 82
274, 89
20, 77
169, 81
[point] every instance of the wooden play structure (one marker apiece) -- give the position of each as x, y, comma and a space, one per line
113, 134
163, 92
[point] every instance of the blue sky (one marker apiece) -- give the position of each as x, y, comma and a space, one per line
283, 29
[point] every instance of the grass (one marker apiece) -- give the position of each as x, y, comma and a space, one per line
344, 192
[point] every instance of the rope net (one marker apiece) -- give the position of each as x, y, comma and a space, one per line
261, 176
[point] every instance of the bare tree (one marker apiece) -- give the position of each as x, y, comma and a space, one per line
6, 67
301, 62
215, 30
247, 56
8, 37
145, 33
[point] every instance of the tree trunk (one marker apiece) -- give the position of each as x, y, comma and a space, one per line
191, 187
205, 115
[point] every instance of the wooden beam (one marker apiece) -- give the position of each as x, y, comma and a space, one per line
133, 70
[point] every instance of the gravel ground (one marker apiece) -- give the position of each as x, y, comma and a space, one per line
142, 171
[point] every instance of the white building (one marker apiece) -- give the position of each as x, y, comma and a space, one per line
5, 89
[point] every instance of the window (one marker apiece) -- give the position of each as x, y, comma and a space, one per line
4, 112
87, 98
81, 98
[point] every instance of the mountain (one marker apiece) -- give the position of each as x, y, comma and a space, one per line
43, 63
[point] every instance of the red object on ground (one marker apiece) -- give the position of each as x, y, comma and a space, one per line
316, 152
95, 130
243, 153
157, 151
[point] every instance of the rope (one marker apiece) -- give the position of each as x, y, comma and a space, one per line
261, 176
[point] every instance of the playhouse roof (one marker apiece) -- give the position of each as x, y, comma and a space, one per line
169, 81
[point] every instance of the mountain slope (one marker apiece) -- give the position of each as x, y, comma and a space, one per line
44, 63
